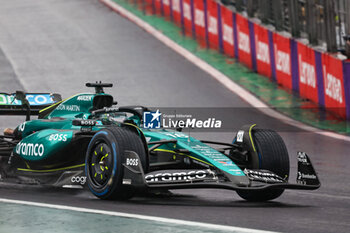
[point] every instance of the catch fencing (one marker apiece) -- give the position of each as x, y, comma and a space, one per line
322, 23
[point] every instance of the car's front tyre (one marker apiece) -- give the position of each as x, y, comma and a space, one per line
273, 156
104, 159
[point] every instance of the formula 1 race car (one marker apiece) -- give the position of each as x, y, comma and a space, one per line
85, 140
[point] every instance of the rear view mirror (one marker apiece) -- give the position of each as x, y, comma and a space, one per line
56, 97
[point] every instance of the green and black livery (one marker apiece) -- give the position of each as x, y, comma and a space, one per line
87, 140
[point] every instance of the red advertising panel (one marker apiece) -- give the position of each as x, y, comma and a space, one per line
176, 7
187, 16
227, 31
213, 27
244, 50
139, 3
333, 84
199, 21
283, 60
307, 73
149, 7
166, 9
263, 60
158, 6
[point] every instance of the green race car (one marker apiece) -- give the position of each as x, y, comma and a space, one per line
87, 140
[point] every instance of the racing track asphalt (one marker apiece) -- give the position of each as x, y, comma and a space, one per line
58, 45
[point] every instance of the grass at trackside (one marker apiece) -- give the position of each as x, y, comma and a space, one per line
281, 99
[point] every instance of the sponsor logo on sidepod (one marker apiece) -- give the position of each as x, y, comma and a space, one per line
58, 137
30, 149
22, 126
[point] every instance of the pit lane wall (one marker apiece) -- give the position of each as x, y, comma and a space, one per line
320, 77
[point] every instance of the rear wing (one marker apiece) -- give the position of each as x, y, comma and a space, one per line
21, 103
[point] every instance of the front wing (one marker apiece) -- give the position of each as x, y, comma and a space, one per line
307, 178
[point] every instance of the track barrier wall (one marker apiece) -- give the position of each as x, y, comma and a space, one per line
228, 41
319, 77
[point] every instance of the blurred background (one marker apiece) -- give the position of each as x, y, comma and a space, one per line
321, 23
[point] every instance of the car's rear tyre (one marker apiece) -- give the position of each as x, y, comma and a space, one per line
273, 156
104, 158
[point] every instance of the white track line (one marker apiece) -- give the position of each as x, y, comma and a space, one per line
226, 81
135, 216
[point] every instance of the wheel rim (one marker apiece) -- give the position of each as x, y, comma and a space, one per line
100, 164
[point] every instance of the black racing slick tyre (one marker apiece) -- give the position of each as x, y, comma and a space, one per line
273, 156
104, 159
